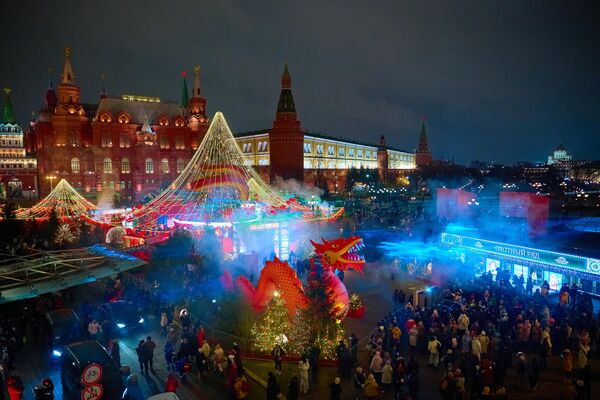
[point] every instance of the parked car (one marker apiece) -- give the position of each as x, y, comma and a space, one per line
77, 369
64, 328
123, 315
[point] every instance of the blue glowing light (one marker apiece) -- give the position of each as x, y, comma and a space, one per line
141, 321
120, 326
56, 353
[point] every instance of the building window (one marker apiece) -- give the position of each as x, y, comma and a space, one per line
124, 142
247, 148
125, 168
330, 151
107, 167
179, 122
368, 154
73, 138
341, 152
149, 166
307, 148
163, 121
164, 166
262, 146
179, 143
359, 152
163, 141
180, 165
320, 149
351, 152
106, 141
75, 165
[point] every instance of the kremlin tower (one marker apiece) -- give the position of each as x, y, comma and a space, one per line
286, 138
423, 155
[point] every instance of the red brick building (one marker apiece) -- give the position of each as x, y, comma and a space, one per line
120, 148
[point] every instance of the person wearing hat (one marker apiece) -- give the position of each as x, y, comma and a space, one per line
335, 389
370, 387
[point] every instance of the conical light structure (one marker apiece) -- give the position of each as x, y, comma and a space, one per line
216, 186
63, 198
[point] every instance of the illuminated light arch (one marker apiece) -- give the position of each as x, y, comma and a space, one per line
65, 200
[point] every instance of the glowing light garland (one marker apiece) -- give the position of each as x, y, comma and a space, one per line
65, 200
212, 188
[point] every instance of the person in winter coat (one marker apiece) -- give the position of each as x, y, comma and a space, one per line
567, 363
413, 337
169, 356
303, 367
335, 389
15, 387
484, 340
241, 388
143, 354
466, 344
358, 381
273, 388
582, 358
434, 351
370, 387
133, 390
387, 376
476, 347
377, 366
164, 323
293, 388
277, 354
171, 384
463, 323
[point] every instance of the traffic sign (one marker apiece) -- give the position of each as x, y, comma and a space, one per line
92, 392
91, 374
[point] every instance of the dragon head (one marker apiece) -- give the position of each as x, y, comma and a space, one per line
341, 254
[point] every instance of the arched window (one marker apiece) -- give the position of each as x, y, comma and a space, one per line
75, 165
164, 166
180, 165
107, 167
125, 167
149, 166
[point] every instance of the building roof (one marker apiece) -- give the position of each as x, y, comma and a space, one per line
140, 111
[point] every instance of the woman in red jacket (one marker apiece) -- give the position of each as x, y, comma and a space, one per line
15, 387
171, 384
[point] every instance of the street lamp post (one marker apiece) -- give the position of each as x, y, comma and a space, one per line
51, 178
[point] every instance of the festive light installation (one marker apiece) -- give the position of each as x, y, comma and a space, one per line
213, 188
272, 326
65, 200
277, 276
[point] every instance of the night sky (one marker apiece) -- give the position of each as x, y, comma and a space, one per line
502, 81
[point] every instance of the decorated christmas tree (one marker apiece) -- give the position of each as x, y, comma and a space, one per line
273, 326
300, 333
64, 234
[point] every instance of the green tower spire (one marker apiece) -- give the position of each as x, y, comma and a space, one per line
185, 98
9, 114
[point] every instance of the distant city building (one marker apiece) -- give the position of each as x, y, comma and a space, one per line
18, 173
560, 154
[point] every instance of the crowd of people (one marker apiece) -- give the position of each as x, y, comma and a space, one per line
480, 329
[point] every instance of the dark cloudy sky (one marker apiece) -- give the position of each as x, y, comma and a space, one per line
504, 81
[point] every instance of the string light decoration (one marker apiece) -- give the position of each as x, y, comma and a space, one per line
65, 235
212, 189
65, 200
272, 327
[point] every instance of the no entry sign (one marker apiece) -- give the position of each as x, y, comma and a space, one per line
92, 392
91, 374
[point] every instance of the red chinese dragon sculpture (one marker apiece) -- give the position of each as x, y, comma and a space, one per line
341, 254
